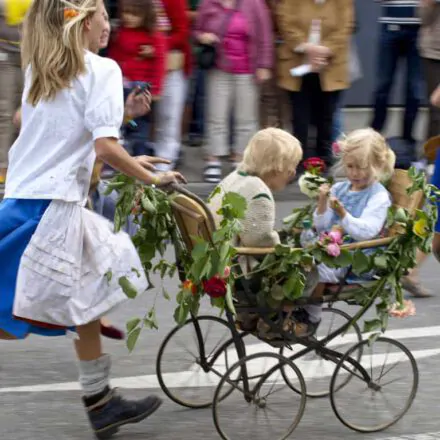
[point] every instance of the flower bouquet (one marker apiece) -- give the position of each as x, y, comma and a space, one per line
309, 184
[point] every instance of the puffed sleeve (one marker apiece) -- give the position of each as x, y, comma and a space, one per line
104, 111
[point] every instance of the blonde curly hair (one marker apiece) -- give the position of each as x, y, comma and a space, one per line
368, 149
271, 150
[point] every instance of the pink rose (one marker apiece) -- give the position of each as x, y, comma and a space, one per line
333, 250
227, 272
335, 237
336, 148
406, 309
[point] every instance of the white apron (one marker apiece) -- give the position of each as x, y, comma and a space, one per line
63, 274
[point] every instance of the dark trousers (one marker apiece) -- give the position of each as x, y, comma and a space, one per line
312, 105
432, 76
398, 43
197, 127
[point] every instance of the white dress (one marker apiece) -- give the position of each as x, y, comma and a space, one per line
64, 274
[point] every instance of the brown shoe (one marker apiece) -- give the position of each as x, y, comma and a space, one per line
415, 288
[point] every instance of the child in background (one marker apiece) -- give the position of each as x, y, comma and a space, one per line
358, 205
140, 50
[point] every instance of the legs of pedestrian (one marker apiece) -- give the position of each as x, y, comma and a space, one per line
106, 410
324, 112
387, 58
413, 93
245, 113
197, 128
432, 76
169, 118
10, 97
301, 112
220, 89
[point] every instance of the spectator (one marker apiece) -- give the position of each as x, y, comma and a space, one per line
316, 35
140, 50
241, 31
429, 44
173, 19
11, 81
196, 96
398, 40
274, 101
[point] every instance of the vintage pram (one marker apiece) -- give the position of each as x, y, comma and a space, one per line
372, 385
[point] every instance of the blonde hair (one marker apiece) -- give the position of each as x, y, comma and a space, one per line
53, 46
271, 150
369, 149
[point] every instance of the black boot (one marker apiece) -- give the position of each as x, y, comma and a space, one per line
108, 411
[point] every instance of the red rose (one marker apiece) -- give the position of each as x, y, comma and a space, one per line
314, 165
215, 287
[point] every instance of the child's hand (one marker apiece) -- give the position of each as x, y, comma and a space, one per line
324, 192
338, 207
147, 51
137, 104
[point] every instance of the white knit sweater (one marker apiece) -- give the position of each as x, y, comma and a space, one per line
259, 222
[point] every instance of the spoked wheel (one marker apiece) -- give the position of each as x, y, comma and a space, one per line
379, 400
261, 406
316, 369
191, 363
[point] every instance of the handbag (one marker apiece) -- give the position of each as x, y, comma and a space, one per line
207, 53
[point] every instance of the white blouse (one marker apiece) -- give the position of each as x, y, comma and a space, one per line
54, 154
71, 270
367, 226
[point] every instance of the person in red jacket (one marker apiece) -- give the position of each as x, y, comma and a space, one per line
140, 49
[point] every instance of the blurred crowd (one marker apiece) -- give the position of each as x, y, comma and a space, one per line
220, 69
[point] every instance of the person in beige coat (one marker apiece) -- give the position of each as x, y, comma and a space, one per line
316, 35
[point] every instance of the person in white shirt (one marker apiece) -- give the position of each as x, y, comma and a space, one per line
54, 253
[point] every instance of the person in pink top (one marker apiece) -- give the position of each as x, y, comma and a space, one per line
241, 31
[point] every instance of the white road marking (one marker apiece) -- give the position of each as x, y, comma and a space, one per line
197, 378
425, 436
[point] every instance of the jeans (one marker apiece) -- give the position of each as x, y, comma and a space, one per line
338, 123
137, 137
197, 127
169, 117
232, 112
398, 42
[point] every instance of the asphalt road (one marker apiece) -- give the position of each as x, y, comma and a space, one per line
49, 405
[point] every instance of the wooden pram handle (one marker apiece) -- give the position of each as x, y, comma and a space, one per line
257, 251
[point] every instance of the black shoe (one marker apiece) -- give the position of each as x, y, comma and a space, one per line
113, 411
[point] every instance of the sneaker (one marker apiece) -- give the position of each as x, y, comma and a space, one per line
212, 172
113, 411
